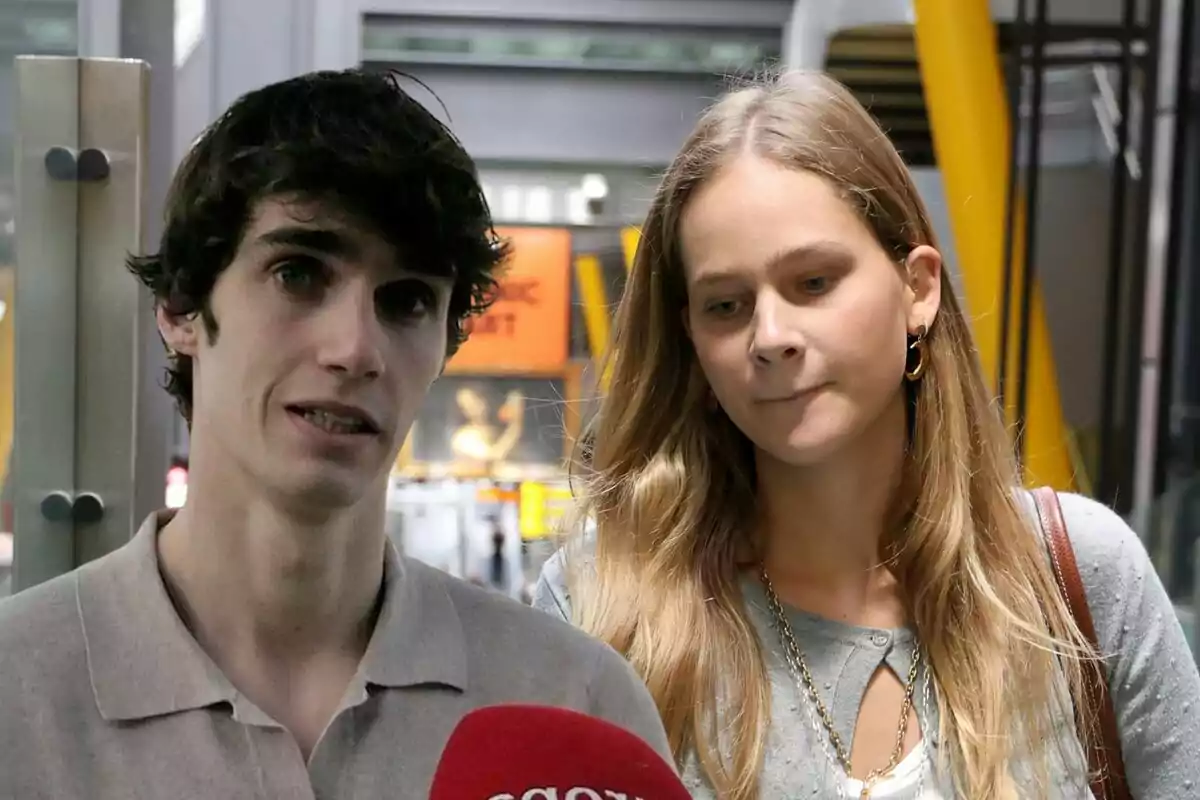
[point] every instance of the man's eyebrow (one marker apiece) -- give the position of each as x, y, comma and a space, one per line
329, 241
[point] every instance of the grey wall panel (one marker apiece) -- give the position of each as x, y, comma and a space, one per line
193, 97
337, 24
722, 13
536, 116
1072, 266
257, 43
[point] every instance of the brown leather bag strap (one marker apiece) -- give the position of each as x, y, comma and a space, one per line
1104, 757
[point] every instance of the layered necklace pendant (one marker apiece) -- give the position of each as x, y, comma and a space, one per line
868, 784
798, 666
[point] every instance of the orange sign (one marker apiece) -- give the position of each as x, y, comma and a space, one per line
526, 329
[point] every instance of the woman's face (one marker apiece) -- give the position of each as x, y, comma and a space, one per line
798, 316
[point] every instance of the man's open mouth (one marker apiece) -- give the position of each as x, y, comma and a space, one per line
336, 418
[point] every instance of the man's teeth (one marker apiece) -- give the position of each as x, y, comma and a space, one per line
334, 423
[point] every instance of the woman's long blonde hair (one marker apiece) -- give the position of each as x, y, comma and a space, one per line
670, 486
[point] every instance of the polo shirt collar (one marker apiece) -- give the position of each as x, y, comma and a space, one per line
143, 662
419, 637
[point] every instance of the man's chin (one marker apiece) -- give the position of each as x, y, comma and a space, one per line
322, 492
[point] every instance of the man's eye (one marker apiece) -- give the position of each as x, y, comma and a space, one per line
407, 301
302, 277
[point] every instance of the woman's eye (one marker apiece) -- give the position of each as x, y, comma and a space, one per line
722, 308
816, 285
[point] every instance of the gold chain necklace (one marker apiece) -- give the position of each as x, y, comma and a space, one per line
799, 667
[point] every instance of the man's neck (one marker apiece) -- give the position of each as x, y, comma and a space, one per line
251, 579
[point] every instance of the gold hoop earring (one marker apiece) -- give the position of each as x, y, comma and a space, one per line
916, 345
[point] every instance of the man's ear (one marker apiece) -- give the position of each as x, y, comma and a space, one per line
181, 334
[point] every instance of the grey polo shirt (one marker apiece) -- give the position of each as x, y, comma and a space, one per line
105, 694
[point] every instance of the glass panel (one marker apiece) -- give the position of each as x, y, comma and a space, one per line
1175, 519
113, 95
40, 479
33, 27
390, 39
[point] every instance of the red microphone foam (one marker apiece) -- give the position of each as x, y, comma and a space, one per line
522, 752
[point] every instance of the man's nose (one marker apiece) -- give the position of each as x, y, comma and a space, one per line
352, 336
776, 337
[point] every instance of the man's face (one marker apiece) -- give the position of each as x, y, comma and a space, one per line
325, 348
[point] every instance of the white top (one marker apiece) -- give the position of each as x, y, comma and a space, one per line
911, 780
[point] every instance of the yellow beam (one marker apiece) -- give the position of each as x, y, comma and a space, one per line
965, 97
589, 274
629, 245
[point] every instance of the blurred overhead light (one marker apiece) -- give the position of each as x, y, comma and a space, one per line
595, 186
577, 208
539, 204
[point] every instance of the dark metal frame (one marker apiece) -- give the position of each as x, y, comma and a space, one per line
1033, 151
1187, 119
1110, 469
1176, 443
1031, 32
1016, 98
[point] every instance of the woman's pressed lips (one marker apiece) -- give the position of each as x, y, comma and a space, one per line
787, 398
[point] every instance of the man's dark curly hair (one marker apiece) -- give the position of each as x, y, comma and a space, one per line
353, 141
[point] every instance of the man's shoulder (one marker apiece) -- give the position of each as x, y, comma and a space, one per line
522, 654
42, 628
488, 617
43, 614
43, 653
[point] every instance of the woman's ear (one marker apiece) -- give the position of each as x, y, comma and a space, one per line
923, 269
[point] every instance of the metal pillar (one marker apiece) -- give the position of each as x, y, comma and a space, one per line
93, 157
